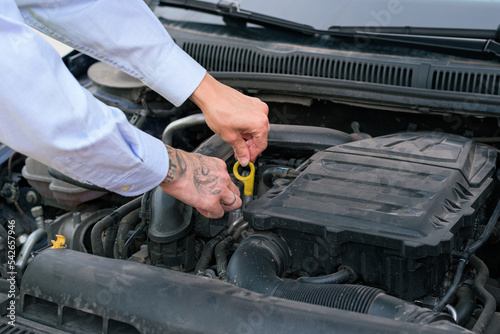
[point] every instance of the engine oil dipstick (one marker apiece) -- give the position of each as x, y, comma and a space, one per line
248, 181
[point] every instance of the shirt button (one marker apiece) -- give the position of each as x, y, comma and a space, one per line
127, 188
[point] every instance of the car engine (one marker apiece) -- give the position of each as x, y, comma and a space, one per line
397, 224
392, 209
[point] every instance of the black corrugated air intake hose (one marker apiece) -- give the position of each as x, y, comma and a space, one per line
261, 259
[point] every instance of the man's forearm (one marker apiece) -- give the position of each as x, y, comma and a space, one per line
124, 34
49, 116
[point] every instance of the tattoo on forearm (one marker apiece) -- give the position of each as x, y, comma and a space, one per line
172, 167
182, 165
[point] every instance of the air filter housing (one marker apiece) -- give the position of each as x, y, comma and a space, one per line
392, 208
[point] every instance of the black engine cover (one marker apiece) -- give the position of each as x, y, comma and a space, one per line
392, 208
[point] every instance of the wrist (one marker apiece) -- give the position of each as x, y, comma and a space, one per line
204, 92
176, 166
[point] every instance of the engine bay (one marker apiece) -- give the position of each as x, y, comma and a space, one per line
355, 210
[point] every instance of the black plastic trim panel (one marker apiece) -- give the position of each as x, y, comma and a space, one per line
158, 300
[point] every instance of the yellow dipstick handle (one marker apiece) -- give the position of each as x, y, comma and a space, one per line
59, 243
248, 181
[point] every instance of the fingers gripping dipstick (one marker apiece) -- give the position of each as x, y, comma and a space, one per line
248, 181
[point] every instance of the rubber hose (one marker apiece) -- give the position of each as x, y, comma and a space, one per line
128, 223
453, 287
206, 255
108, 221
221, 256
490, 226
131, 239
335, 278
109, 241
465, 305
495, 292
469, 251
489, 302
261, 259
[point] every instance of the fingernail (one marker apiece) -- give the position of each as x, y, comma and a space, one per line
243, 161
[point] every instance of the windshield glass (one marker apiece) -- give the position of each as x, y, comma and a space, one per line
323, 14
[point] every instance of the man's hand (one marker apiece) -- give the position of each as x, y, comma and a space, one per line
238, 119
201, 182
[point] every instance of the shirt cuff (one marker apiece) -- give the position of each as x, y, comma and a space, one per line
177, 76
147, 175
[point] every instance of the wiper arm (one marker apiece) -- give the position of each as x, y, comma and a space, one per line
229, 9
453, 43
232, 11
492, 46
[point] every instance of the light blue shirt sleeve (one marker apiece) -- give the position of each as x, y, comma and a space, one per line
125, 34
47, 115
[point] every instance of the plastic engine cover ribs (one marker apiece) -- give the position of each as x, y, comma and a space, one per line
392, 208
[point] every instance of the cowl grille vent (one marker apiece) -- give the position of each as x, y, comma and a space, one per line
17, 329
224, 58
467, 82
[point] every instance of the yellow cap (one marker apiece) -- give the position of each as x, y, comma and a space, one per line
248, 181
59, 243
